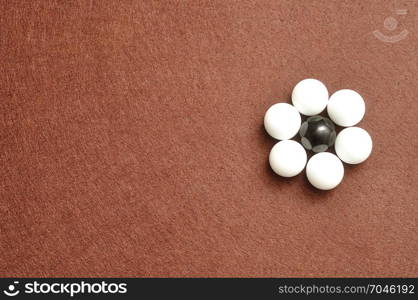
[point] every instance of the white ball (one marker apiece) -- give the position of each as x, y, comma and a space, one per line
353, 145
310, 97
346, 107
282, 121
287, 158
325, 171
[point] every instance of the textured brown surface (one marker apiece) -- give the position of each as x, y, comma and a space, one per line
132, 144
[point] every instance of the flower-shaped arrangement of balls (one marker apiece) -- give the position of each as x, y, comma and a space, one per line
310, 97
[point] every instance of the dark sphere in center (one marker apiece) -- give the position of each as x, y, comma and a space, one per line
317, 134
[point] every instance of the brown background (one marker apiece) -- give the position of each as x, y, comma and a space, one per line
132, 140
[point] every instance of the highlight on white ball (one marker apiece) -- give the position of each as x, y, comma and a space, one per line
282, 121
346, 107
287, 158
325, 171
353, 145
310, 97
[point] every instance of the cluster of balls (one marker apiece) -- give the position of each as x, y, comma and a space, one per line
283, 121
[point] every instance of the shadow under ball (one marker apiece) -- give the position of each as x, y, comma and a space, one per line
317, 134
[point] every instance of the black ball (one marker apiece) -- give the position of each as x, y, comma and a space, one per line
317, 134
